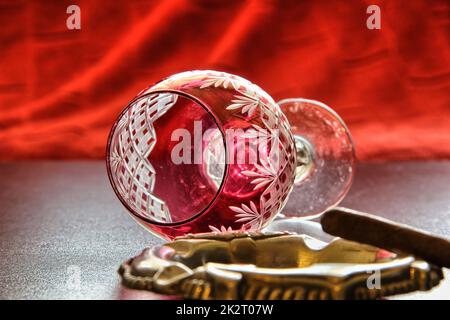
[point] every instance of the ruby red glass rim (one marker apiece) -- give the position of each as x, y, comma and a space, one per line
108, 164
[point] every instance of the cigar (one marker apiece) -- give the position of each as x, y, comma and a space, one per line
369, 229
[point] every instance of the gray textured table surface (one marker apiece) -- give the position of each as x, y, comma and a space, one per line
64, 233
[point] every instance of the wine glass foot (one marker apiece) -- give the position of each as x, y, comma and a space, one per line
325, 157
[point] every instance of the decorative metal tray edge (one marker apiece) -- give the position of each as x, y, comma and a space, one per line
255, 266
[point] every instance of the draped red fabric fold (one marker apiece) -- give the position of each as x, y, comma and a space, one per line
61, 90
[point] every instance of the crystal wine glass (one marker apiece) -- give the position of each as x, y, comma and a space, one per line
206, 151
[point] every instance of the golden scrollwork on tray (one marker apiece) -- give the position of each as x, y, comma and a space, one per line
275, 266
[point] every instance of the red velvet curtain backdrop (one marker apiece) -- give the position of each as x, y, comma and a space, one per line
60, 89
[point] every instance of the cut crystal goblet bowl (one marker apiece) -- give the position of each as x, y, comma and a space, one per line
206, 151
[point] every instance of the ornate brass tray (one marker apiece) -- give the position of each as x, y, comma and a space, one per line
275, 266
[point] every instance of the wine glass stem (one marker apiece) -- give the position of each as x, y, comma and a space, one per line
305, 158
